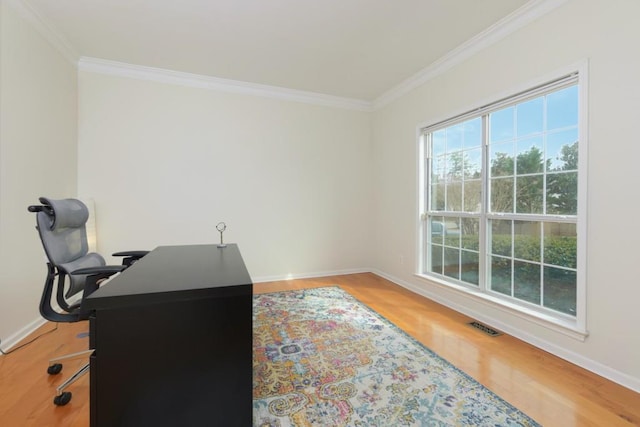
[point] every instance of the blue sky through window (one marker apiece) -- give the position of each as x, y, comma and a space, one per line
547, 123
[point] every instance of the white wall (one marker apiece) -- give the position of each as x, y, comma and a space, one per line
607, 34
165, 163
38, 116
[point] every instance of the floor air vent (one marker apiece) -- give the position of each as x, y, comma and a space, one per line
484, 328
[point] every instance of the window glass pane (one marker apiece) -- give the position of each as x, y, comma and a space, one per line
454, 137
562, 193
501, 238
562, 108
438, 167
560, 290
437, 229
530, 117
472, 191
452, 232
437, 183
470, 268
473, 133
455, 165
454, 196
526, 281
526, 240
452, 262
560, 244
472, 163
501, 275
502, 156
501, 195
438, 140
530, 156
562, 150
501, 124
436, 258
529, 194
437, 196
470, 234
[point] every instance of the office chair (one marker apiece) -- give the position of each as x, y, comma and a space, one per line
61, 226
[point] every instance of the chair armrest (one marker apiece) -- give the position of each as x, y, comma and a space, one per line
95, 276
134, 254
105, 269
130, 257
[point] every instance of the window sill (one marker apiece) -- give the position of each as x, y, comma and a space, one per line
566, 326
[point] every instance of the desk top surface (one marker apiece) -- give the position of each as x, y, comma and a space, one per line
176, 273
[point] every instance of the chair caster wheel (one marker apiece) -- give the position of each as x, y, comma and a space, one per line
63, 399
54, 369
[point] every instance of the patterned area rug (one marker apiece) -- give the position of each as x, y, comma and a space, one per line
321, 358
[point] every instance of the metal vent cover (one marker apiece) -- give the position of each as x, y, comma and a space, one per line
484, 328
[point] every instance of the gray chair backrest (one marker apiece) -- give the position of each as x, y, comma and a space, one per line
61, 226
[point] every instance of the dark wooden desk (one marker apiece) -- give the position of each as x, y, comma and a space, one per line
173, 341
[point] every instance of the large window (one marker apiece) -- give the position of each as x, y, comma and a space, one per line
500, 201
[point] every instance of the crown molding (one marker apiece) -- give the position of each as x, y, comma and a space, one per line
498, 31
58, 41
42, 25
521, 17
103, 66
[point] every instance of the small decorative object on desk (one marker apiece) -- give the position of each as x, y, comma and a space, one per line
221, 227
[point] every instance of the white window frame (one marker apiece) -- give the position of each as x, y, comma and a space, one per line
573, 326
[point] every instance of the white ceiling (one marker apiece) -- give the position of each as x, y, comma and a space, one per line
355, 49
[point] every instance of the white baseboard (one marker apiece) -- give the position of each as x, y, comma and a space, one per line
591, 365
263, 279
22, 334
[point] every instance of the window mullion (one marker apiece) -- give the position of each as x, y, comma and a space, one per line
484, 203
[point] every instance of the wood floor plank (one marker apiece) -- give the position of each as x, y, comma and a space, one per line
547, 388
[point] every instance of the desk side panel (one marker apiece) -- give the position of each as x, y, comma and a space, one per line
181, 363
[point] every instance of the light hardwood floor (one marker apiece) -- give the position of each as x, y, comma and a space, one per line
552, 391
